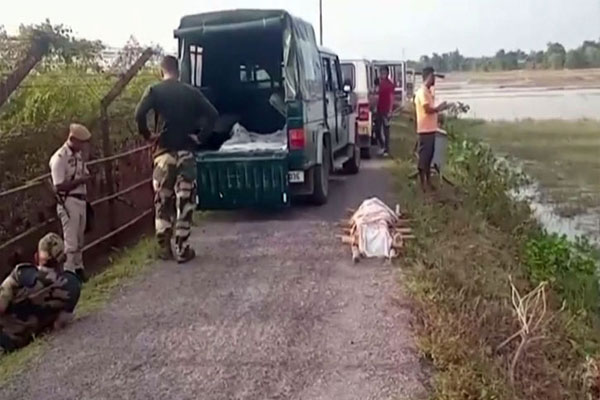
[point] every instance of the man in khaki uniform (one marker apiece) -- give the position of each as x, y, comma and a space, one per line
69, 176
37, 298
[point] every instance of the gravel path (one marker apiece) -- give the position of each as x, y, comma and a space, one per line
273, 308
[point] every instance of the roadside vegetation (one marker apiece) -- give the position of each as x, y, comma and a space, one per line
564, 156
66, 86
506, 311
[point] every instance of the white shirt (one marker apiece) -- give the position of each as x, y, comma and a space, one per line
66, 166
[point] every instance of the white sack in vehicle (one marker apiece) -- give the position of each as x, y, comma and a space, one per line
242, 140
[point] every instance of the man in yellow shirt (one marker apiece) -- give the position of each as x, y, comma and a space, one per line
427, 125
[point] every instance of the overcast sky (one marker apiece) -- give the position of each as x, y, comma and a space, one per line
353, 28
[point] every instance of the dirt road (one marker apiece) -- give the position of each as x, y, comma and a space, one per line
272, 308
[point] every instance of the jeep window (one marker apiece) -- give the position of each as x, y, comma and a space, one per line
196, 65
397, 76
328, 75
337, 75
262, 75
256, 76
349, 74
244, 76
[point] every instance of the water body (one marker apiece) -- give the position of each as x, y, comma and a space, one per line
493, 103
586, 224
569, 103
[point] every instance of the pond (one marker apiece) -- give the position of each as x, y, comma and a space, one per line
556, 149
491, 103
585, 224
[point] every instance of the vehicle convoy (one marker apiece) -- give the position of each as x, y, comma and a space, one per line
285, 123
358, 75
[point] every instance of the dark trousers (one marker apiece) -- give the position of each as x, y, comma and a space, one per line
426, 150
382, 131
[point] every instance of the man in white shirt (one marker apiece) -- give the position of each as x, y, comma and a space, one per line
69, 177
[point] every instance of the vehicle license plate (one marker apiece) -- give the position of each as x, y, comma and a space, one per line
296, 176
363, 130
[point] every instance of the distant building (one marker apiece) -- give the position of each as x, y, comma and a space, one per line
109, 56
118, 59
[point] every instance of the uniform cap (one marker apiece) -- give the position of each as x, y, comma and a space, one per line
79, 132
53, 245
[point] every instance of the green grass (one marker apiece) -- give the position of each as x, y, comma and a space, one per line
96, 292
470, 240
127, 264
564, 156
15, 362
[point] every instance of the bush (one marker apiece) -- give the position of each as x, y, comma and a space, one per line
570, 267
488, 181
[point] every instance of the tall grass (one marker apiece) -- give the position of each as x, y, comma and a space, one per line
35, 122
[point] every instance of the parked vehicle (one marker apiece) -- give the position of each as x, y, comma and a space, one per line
397, 75
357, 74
410, 83
264, 73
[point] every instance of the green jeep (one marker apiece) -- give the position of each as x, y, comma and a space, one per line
269, 81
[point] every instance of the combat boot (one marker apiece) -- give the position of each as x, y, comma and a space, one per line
82, 275
164, 252
188, 254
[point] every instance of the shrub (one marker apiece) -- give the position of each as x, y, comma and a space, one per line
570, 267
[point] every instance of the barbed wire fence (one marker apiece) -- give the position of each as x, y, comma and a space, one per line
121, 191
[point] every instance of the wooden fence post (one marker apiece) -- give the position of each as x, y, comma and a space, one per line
39, 48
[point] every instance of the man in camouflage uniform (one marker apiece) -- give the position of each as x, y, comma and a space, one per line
36, 299
182, 112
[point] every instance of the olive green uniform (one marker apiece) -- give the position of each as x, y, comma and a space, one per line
182, 112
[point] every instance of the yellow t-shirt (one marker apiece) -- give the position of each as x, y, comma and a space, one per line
426, 123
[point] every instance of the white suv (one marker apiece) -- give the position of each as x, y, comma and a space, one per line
356, 74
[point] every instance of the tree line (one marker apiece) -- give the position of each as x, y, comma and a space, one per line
554, 57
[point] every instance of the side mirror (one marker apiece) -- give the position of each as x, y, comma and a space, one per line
348, 86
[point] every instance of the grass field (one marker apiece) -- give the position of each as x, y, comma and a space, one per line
563, 156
